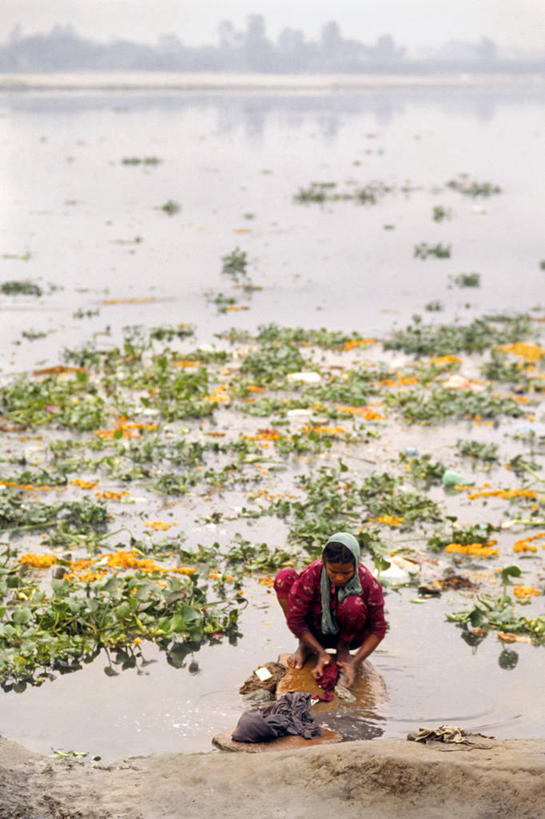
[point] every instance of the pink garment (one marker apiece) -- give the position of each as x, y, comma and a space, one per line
328, 681
357, 616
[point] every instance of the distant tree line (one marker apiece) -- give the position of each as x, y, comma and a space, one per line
249, 50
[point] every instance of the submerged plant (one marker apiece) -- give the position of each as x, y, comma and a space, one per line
440, 251
20, 288
467, 280
235, 263
462, 184
171, 207
440, 213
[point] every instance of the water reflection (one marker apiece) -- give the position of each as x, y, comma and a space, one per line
255, 110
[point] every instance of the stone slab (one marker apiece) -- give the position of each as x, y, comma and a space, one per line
226, 742
369, 688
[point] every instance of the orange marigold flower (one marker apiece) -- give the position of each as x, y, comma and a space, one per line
475, 549
507, 494
524, 350
391, 521
524, 592
358, 342
84, 484
38, 561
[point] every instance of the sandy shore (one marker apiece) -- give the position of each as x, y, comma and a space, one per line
379, 779
156, 80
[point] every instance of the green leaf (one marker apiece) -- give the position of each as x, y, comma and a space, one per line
476, 617
381, 564
60, 587
177, 624
22, 615
190, 615
195, 634
509, 571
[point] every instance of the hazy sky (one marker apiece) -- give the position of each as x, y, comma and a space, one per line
511, 23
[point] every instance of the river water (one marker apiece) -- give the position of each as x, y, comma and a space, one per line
93, 227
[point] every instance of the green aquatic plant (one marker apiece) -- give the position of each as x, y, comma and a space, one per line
467, 280
222, 301
70, 627
462, 184
81, 314
447, 339
73, 403
272, 362
477, 533
171, 207
167, 333
439, 213
235, 263
438, 404
439, 250
81, 517
20, 288
33, 335
315, 192
368, 194
478, 450
423, 469
327, 339
498, 613
136, 160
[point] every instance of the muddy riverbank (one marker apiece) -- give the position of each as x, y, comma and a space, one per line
380, 778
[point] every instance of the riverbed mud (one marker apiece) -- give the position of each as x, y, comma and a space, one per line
379, 779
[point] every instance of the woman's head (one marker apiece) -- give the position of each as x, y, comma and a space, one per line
340, 560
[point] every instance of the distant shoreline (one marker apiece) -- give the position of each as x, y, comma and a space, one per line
163, 81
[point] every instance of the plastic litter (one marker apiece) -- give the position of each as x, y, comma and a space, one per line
299, 413
453, 478
305, 377
460, 382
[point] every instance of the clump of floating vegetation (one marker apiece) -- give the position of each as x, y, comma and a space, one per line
235, 263
463, 184
467, 280
367, 194
440, 251
136, 160
171, 207
443, 339
20, 287
439, 213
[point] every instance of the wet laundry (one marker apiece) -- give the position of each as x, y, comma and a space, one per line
328, 681
289, 715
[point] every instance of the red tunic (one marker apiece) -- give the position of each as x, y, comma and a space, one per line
305, 604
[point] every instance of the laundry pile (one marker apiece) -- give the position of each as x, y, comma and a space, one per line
289, 715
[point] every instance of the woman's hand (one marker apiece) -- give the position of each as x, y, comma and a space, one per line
323, 660
349, 669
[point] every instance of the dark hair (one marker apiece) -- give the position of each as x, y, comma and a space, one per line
337, 553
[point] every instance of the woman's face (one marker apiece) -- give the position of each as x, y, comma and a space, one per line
339, 573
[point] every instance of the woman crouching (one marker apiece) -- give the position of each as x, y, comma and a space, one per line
335, 602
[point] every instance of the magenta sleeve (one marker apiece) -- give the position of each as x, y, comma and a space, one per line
374, 598
301, 597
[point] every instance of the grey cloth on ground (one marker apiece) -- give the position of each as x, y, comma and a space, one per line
288, 715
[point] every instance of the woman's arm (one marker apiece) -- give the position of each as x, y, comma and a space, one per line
351, 664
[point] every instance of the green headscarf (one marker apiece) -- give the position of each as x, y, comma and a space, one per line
353, 586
